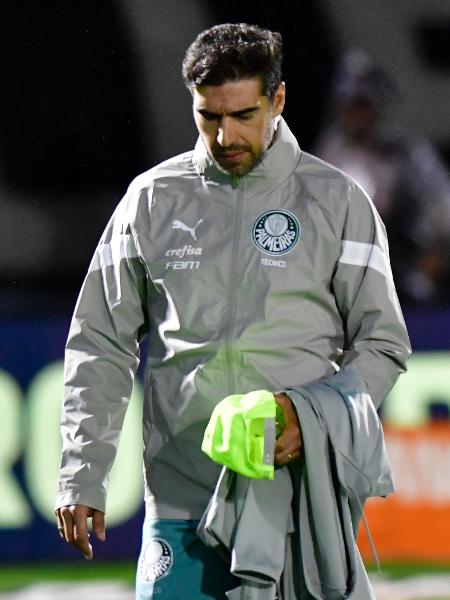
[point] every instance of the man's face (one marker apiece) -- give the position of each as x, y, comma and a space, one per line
236, 122
359, 119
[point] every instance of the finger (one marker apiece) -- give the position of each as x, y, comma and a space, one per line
289, 412
288, 446
59, 524
281, 443
81, 535
285, 457
67, 523
290, 440
98, 524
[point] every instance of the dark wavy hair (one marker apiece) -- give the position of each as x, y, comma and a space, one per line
234, 51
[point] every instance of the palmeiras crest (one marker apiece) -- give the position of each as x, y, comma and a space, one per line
276, 232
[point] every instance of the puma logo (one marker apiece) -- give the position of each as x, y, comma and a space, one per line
180, 225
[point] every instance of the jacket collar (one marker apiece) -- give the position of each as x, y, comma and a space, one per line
277, 164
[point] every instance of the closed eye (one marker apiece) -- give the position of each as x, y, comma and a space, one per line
209, 116
245, 115
242, 115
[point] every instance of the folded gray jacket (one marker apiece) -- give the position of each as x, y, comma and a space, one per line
344, 462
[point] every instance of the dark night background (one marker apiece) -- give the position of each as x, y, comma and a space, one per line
92, 95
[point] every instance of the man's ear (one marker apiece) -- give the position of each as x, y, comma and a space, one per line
279, 100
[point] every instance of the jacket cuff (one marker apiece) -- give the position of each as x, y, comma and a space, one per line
72, 495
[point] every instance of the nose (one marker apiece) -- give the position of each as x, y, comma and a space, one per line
226, 133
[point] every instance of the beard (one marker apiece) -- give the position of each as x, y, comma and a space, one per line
251, 158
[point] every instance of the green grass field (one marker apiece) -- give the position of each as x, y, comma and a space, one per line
402, 570
15, 576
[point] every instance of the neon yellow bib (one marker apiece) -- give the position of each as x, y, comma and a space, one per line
241, 433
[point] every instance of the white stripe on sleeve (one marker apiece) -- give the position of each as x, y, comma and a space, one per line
107, 255
365, 255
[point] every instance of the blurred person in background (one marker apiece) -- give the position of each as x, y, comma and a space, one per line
402, 174
250, 265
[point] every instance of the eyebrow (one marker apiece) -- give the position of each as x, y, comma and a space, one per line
237, 113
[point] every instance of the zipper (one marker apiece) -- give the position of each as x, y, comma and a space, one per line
234, 283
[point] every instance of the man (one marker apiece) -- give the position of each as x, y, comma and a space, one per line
403, 174
250, 265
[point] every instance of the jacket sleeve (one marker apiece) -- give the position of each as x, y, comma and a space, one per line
102, 355
376, 341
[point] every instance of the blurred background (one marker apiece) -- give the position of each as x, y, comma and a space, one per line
92, 95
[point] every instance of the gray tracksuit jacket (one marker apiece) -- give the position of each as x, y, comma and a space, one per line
294, 537
269, 281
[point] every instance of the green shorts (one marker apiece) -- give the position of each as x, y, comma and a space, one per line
174, 564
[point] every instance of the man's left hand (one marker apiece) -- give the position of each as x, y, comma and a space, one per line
289, 443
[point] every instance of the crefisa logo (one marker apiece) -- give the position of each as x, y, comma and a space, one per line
157, 560
276, 232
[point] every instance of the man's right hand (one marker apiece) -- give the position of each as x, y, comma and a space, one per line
73, 527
